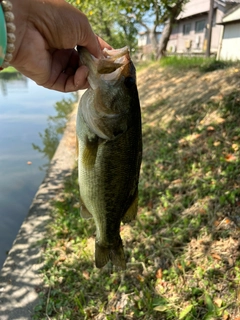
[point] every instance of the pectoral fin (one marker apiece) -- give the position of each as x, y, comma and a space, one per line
90, 151
85, 214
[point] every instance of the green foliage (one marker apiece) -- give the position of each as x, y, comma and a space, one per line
118, 22
110, 21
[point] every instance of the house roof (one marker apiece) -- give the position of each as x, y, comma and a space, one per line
232, 1
195, 7
232, 15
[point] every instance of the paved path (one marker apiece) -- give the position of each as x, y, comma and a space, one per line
20, 279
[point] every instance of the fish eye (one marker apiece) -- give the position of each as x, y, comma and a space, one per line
129, 82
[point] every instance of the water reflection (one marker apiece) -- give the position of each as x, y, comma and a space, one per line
12, 79
55, 127
25, 110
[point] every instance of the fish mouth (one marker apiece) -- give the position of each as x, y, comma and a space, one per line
113, 64
112, 60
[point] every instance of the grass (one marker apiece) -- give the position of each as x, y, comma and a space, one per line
185, 63
10, 73
183, 249
201, 63
141, 65
8, 70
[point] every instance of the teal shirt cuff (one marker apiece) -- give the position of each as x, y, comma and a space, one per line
3, 36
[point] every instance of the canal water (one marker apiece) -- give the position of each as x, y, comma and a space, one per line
24, 111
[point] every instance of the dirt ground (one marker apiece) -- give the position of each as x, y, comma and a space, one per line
182, 90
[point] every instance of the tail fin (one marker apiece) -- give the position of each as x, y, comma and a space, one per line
116, 255
102, 255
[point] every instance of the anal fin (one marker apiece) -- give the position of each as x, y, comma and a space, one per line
131, 213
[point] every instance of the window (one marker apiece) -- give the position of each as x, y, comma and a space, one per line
186, 28
175, 29
200, 25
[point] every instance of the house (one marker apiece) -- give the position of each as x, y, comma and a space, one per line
190, 32
229, 47
145, 44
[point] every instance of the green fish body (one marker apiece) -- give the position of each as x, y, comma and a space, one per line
109, 150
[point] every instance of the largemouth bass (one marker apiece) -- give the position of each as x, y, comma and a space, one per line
109, 150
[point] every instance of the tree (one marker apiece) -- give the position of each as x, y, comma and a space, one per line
171, 11
148, 14
110, 21
160, 13
209, 28
118, 22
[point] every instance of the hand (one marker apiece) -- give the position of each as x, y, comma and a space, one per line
47, 32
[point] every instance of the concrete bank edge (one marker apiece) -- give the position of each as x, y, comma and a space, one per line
20, 279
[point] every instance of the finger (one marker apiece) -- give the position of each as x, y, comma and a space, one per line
80, 78
103, 44
93, 45
64, 63
86, 36
68, 82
